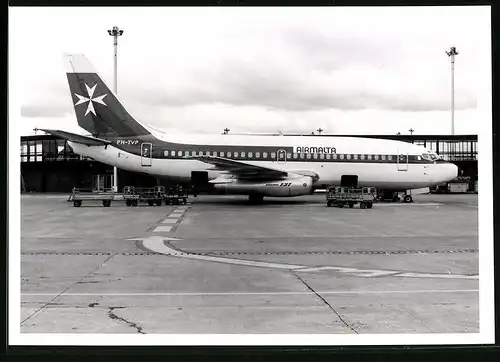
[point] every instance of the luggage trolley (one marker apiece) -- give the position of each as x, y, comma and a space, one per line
175, 195
341, 196
152, 195
78, 195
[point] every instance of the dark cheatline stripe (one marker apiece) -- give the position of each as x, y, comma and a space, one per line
167, 150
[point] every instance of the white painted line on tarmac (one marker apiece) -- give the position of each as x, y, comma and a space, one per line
169, 221
442, 276
397, 273
156, 244
331, 292
162, 229
358, 272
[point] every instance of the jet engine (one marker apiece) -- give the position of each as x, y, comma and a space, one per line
298, 186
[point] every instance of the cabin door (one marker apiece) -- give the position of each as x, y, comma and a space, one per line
402, 162
281, 156
146, 154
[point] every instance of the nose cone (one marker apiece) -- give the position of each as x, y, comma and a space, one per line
450, 171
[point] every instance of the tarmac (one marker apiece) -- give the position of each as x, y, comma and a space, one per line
220, 265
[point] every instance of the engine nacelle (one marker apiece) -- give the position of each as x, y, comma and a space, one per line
281, 188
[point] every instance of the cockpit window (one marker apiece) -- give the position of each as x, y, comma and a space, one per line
426, 156
430, 156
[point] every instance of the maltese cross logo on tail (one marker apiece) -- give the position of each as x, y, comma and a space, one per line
90, 92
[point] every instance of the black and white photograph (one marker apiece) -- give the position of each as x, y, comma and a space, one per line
250, 175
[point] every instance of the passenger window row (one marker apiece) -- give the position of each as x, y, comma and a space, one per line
289, 155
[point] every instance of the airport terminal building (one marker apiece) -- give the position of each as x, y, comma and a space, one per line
48, 164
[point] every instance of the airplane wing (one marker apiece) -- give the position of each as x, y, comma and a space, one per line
84, 140
241, 170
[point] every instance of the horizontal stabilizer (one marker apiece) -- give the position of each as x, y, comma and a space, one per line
84, 140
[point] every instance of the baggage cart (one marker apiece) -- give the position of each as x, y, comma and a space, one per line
341, 196
152, 195
78, 195
176, 196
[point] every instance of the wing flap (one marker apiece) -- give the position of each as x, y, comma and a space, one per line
73, 137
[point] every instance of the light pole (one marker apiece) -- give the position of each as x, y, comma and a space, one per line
451, 54
115, 33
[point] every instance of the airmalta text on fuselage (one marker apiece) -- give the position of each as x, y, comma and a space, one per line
314, 149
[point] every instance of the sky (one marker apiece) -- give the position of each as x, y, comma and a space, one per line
378, 70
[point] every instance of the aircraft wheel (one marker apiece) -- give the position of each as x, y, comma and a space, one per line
128, 203
184, 201
329, 203
362, 205
77, 203
158, 202
135, 203
351, 205
106, 203
341, 205
369, 205
408, 199
150, 202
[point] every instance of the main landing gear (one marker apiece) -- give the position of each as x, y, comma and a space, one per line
407, 198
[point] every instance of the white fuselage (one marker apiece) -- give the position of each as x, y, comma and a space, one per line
381, 175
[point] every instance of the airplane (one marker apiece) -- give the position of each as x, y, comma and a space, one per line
256, 166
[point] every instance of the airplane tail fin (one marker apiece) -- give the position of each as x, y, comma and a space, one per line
97, 108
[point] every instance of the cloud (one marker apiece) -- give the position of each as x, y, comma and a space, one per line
260, 71
307, 69
289, 87
48, 110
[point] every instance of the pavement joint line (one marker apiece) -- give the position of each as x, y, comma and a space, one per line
327, 303
66, 289
326, 292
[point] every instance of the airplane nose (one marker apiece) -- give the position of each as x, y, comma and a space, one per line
451, 171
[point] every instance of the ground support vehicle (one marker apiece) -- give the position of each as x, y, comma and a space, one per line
385, 196
175, 196
78, 195
341, 196
152, 195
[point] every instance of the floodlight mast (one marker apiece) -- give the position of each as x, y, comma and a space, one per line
115, 33
451, 54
